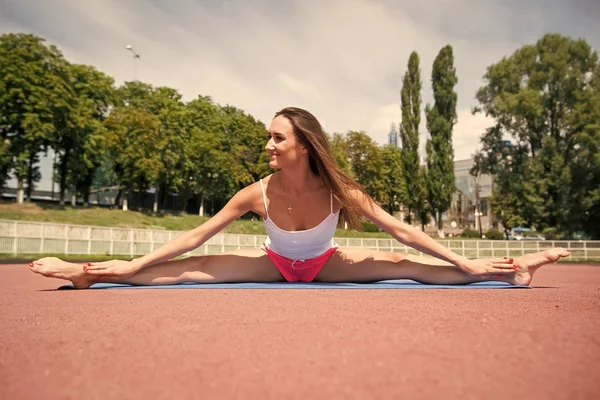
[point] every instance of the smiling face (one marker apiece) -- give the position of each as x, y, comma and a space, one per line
283, 146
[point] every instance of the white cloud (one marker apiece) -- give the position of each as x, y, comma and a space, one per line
467, 132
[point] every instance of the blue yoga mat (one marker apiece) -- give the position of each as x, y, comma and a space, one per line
389, 284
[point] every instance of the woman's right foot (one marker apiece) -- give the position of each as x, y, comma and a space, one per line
528, 264
53, 267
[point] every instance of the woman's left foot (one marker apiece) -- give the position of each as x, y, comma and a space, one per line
528, 264
53, 267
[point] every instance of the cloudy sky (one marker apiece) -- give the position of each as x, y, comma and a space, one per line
341, 59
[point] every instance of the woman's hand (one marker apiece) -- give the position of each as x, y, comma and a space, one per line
119, 268
484, 268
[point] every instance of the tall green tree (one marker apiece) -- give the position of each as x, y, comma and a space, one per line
421, 192
80, 138
393, 180
208, 172
134, 143
175, 130
409, 134
441, 118
246, 141
35, 93
546, 98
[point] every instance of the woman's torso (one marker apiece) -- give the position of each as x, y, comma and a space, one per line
299, 227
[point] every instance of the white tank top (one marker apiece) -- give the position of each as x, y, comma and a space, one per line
301, 245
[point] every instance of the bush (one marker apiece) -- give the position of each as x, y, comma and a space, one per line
494, 234
369, 227
469, 233
553, 234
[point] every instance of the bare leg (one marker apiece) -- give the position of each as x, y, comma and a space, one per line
249, 265
363, 265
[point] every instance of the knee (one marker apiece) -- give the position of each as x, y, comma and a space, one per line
397, 258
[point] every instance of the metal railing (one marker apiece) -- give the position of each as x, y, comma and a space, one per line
22, 237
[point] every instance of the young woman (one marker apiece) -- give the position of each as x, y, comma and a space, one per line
301, 204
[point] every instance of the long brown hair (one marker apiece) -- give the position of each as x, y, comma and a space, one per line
310, 134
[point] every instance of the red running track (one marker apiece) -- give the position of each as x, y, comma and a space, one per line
542, 343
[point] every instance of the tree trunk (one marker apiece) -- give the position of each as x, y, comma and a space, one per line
201, 211
30, 176
140, 196
118, 198
440, 225
184, 199
63, 174
164, 198
86, 196
20, 191
155, 205
126, 197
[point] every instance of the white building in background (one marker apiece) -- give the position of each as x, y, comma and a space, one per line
471, 197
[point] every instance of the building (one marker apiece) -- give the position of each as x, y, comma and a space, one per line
393, 136
471, 197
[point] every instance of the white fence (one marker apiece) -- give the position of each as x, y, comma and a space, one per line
20, 237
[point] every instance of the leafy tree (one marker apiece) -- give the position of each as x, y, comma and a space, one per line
245, 143
80, 136
34, 94
339, 150
393, 180
208, 171
175, 132
134, 144
546, 98
421, 193
366, 159
409, 133
440, 122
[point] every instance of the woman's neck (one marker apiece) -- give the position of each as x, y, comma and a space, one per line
297, 181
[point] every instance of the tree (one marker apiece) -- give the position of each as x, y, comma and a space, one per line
134, 144
35, 92
208, 171
409, 133
421, 192
339, 150
246, 139
546, 97
393, 181
366, 159
440, 122
80, 137
175, 131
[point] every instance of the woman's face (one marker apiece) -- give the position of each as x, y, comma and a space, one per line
283, 146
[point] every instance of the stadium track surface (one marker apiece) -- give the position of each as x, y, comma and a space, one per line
542, 343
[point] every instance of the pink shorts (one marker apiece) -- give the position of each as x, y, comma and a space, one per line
298, 270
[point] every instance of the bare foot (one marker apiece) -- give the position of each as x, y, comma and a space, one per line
529, 263
53, 267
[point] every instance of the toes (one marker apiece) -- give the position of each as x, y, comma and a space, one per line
565, 252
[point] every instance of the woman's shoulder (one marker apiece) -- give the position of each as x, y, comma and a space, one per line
254, 190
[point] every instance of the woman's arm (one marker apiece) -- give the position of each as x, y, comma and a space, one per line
239, 205
407, 234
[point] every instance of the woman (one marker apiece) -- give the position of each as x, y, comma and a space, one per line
301, 204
